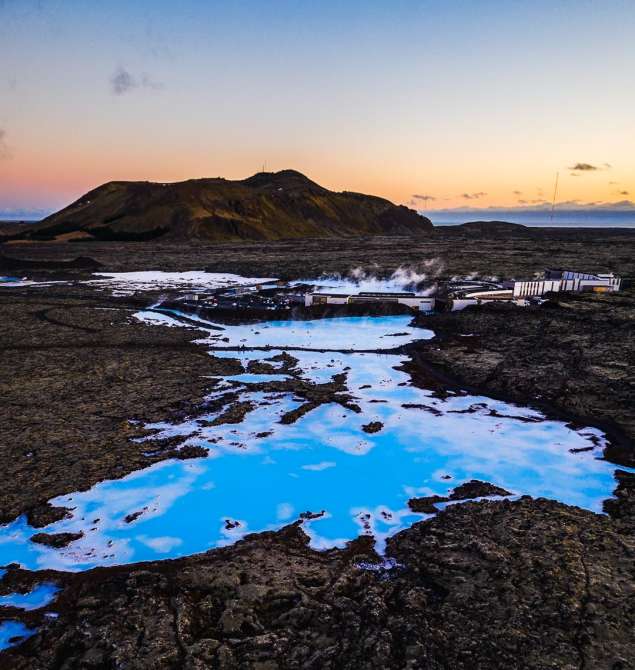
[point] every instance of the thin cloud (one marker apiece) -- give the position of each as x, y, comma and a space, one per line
536, 201
473, 196
4, 147
123, 81
623, 193
425, 198
517, 192
584, 167
148, 82
588, 167
545, 206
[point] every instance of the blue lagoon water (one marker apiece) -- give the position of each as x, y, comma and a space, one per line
40, 596
262, 474
13, 629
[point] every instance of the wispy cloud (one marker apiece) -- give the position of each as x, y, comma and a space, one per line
4, 147
425, 198
584, 167
576, 168
517, 192
123, 81
473, 196
536, 201
148, 82
545, 206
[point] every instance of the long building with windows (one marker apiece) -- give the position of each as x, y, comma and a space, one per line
556, 281
421, 303
463, 293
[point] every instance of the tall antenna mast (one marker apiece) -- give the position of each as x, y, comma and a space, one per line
555, 193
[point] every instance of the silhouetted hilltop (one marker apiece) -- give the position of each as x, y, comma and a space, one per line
266, 206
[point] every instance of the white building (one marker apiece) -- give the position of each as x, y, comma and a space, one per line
566, 280
325, 299
421, 303
462, 294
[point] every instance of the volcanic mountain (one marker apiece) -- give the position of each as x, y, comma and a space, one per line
267, 206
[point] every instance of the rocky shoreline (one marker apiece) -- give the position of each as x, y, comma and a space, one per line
77, 374
523, 584
571, 357
527, 583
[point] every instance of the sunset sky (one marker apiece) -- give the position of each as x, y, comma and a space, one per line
462, 103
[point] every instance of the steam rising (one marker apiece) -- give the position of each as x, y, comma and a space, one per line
420, 278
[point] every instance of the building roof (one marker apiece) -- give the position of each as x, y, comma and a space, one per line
386, 294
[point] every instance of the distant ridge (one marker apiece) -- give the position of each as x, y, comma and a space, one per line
266, 206
497, 227
492, 226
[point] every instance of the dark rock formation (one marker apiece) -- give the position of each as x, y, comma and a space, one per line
133, 516
477, 489
56, 540
472, 489
622, 507
45, 514
426, 504
225, 366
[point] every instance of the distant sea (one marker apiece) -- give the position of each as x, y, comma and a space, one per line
564, 218
568, 218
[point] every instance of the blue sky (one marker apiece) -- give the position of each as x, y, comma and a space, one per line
467, 103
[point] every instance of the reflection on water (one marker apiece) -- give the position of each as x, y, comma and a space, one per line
261, 474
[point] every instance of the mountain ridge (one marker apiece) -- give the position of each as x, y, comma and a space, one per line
265, 206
